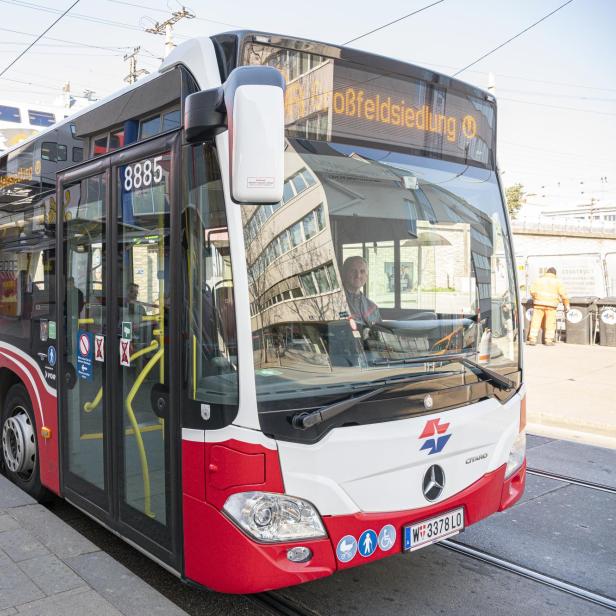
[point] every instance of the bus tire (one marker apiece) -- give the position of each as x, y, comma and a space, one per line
19, 448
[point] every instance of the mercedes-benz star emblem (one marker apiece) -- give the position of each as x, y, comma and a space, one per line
428, 401
433, 482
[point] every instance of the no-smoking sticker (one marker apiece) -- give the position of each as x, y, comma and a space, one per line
99, 348
125, 352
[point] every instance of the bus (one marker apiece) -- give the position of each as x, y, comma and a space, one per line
18, 121
268, 328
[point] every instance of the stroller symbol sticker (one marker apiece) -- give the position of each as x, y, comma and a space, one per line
347, 548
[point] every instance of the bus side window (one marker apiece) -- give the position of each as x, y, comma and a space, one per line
27, 274
49, 151
209, 320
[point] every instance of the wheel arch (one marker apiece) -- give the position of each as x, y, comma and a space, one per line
17, 368
8, 378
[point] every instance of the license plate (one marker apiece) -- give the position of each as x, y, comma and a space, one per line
429, 531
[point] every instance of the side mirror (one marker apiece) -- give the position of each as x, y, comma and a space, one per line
251, 105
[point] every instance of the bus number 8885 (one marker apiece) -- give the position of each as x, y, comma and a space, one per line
143, 174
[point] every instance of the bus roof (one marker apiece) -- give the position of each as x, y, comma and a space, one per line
233, 56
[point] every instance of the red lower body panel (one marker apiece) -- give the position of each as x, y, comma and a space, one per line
45, 408
221, 557
489, 494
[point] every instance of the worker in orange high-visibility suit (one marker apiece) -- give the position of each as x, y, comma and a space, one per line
547, 292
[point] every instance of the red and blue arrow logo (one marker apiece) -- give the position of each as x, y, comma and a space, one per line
434, 431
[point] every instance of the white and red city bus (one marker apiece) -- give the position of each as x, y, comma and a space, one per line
268, 328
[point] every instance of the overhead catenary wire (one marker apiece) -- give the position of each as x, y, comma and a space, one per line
80, 16
428, 63
76, 43
150, 8
593, 111
485, 55
38, 38
395, 21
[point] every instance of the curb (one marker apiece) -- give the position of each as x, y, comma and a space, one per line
571, 434
600, 429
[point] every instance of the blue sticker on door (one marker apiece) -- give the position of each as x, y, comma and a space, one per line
84, 355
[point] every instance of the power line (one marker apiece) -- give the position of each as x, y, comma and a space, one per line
49, 38
555, 83
72, 54
97, 20
38, 38
485, 55
150, 8
395, 21
515, 100
81, 84
533, 147
428, 63
554, 95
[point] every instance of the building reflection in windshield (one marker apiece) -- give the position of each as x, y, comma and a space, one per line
436, 271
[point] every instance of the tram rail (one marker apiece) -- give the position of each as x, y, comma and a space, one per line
565, 478
280, 605
531, 574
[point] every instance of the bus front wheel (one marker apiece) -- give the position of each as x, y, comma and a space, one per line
19, 444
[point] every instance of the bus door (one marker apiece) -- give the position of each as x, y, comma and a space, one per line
120, 440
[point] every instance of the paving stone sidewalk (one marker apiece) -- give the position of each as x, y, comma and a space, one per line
49, 569
572, 392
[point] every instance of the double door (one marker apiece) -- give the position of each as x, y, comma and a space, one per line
119, 433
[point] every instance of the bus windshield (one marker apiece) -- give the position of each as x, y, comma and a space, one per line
374, 259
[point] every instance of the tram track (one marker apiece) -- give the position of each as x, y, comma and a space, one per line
280, 605
565, 478
531, 574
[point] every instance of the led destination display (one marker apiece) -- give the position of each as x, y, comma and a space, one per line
328, 99
410, 113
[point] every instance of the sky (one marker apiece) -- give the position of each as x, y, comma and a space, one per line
555, 84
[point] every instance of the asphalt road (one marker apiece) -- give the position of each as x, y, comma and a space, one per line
560, 529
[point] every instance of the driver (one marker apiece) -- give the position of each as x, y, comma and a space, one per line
354, 276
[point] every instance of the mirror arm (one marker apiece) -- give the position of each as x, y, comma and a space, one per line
205, 115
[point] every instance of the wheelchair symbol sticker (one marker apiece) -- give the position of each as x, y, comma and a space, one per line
387, 537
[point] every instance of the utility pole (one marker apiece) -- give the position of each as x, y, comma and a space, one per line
492, 83
133, 72
66, 95
166, 28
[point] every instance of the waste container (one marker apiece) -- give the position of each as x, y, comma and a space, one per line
606, 308
581, 320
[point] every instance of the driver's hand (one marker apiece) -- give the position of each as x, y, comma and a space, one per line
365, 333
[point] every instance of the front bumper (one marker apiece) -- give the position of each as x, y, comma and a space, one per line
221, 557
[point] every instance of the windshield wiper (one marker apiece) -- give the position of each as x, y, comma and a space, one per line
498, 380
305, 420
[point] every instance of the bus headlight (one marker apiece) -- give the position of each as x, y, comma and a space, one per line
274, 517
516, 455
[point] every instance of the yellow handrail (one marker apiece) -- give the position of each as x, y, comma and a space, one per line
150, 317
85, 321
145, 471
88, 407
